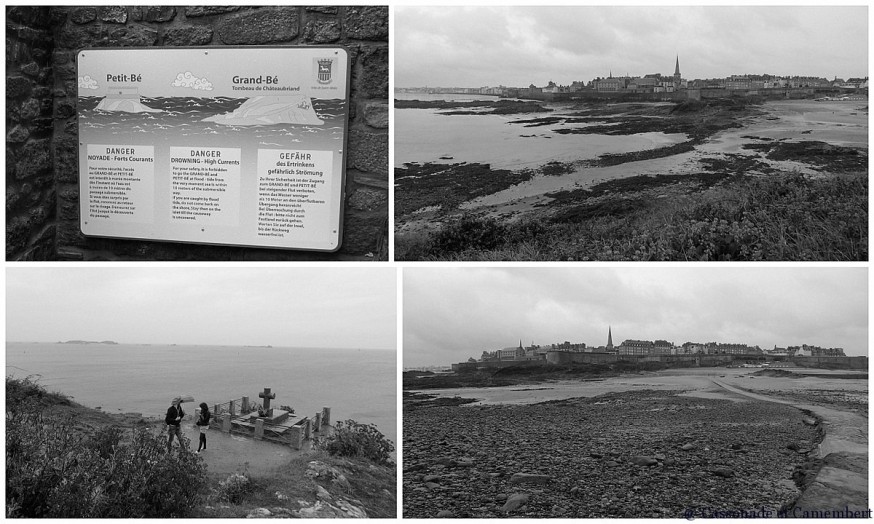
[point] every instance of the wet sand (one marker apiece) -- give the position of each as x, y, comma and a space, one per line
694, 382
839, 123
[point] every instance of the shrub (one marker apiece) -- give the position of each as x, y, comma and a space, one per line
469, 232
27, 389
234, 488
351, 439
54, 472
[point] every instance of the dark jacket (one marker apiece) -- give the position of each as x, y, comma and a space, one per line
204, 418
170, 418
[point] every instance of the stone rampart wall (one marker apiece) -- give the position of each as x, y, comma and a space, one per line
42, 144
831, 362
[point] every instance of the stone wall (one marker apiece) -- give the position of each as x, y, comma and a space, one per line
30, 185
42, 154
859, 363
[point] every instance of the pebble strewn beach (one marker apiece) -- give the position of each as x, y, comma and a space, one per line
631, 454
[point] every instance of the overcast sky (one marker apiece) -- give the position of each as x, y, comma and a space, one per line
452, 314
302, 307
519, 45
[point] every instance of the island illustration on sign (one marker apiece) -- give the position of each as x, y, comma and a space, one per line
124, 105
203, 144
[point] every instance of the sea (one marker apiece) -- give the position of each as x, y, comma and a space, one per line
123, 378
428, 135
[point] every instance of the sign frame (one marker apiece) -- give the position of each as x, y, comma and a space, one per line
225, 224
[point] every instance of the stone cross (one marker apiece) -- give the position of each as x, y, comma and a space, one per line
267, 395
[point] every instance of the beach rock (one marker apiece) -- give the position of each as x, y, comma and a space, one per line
595, 455
259, 513
810, 421
341, 508
506, 440
687, 447
515, 501
641, 460
430, 478
432, 485
530, 478
723, 472
659, 457
322, 493
444, 514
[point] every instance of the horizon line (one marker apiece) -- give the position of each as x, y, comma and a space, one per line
97, 342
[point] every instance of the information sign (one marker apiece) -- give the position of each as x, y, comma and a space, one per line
233, 146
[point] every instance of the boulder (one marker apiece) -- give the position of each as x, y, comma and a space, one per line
642, 460
723, 472
342, 509
515, 501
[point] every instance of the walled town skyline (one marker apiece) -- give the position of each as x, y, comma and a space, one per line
659, 82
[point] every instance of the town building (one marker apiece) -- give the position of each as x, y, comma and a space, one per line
635, 347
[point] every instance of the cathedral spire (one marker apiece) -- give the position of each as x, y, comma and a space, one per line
677, 69
609, 337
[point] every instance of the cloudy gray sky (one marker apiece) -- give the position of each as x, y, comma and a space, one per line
302, 307
521, 45
451, 314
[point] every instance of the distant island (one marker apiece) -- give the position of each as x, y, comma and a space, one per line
110, 342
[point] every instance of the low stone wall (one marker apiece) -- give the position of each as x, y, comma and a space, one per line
42, 196
860, 363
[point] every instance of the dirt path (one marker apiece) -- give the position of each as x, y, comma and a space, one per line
227, 453
842, 483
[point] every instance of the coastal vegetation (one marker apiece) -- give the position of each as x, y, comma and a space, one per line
64, 460
775, 200
708, 217
352, 439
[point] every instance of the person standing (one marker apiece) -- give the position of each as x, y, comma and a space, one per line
203, 425
173, 419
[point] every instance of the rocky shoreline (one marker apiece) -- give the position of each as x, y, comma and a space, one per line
637, 454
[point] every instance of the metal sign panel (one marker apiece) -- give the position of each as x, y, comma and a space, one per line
233, 146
